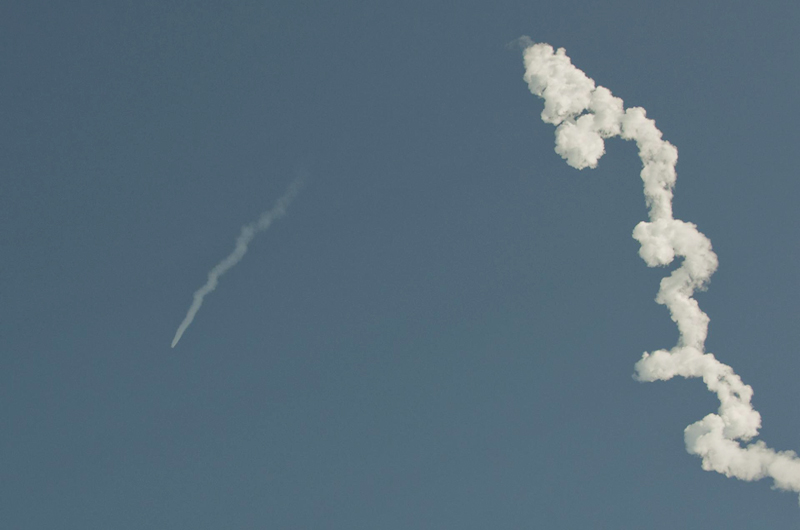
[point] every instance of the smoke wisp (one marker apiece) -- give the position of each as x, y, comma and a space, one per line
247, 234
585, 115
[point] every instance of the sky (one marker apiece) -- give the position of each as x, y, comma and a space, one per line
441, 329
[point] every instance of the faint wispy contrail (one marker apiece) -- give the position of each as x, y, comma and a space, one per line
584, 115
245, 236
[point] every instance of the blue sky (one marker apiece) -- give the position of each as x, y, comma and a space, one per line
441, 331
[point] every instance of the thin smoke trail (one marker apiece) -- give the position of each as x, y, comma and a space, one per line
245, 237
584, 115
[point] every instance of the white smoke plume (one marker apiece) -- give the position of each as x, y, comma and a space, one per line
245, 237
584, 115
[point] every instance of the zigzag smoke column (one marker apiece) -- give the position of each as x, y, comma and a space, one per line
584, 115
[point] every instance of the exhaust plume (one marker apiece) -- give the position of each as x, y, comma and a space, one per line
245, 237
584, 116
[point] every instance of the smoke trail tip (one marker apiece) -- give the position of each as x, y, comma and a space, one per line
520, 43
299, 182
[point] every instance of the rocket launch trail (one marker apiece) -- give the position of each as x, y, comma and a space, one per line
246, 235
585, 115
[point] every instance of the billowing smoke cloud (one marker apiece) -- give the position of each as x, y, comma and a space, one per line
585, 115
245, 236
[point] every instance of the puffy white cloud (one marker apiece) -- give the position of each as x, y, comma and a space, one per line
586, 114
